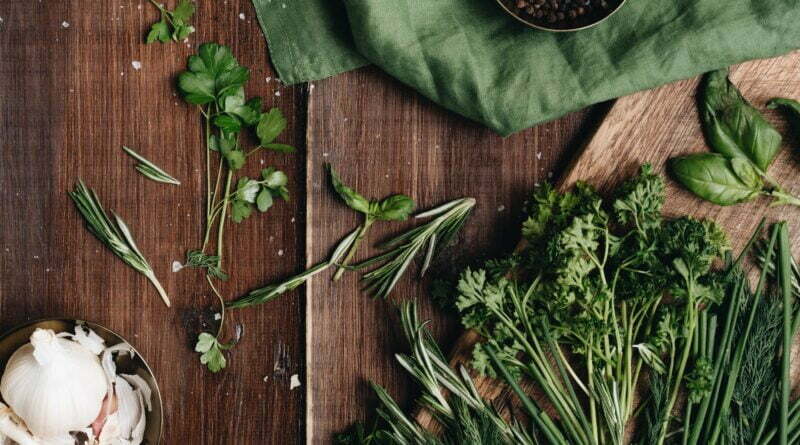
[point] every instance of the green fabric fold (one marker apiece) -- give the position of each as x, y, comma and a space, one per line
472, 58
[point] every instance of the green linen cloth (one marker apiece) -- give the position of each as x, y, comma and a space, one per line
472, 58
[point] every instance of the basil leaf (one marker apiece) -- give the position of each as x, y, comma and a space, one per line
348, 195
393, 208
746, 173
712, 177
790, 105
734, 128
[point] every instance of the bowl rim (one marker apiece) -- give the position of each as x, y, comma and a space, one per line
76, 321
545, 28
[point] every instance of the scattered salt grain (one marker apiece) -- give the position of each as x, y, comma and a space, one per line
266, 377
280, 252
65, 24
539, 155
293, 220
277, 93
176, 266
501, 208
137, 65
36, 257
241, 16
324, 155
217, 316
262, 162
294, 382
269, 79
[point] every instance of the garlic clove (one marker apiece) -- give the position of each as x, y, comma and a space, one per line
109, 366
89, 339
109, 407
140, 384
13, 429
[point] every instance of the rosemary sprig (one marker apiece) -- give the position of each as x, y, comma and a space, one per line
267, 293
115, 235
433, 236
150, 170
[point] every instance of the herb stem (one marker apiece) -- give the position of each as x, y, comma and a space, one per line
221, 229
362, 231
786, 290
221, 305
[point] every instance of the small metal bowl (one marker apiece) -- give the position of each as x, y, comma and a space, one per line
18, 337
583, 22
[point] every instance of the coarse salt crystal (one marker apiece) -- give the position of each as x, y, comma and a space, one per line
277, 93
294, 382
137, 65
65, 24
241, 16
501, 208
280, 252
176, 266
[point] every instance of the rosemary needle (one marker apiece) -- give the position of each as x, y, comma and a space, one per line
150, 170
115, 235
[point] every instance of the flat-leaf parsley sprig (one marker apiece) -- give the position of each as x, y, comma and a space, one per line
114, 234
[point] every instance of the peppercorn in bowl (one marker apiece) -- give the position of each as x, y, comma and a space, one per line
561, 15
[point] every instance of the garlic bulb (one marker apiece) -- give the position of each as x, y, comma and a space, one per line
54, 385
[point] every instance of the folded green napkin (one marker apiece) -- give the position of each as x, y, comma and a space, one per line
472, 58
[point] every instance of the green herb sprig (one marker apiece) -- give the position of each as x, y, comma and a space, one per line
270, 292
150, 170
174, 25
744, 146
392, 208
114, 234
432, 237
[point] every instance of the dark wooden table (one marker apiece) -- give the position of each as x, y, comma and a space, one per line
70, 97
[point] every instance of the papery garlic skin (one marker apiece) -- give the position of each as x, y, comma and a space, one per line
54, 385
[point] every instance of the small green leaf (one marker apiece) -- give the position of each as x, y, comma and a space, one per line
197, 88
158, 32
213, 143
274, 178
350, 197
227, 123
270, 125
205, 342
182, 31
235, 159
264, 200
247, 189
712, 177
393, 208
184, 11
240, 210
214, 359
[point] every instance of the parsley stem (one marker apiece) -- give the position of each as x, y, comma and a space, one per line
221, 304
360, 236
221, 229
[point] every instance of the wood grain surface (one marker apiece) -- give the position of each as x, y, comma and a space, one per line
70, 97
653, 126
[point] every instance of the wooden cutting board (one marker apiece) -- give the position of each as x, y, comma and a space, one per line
655, 125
